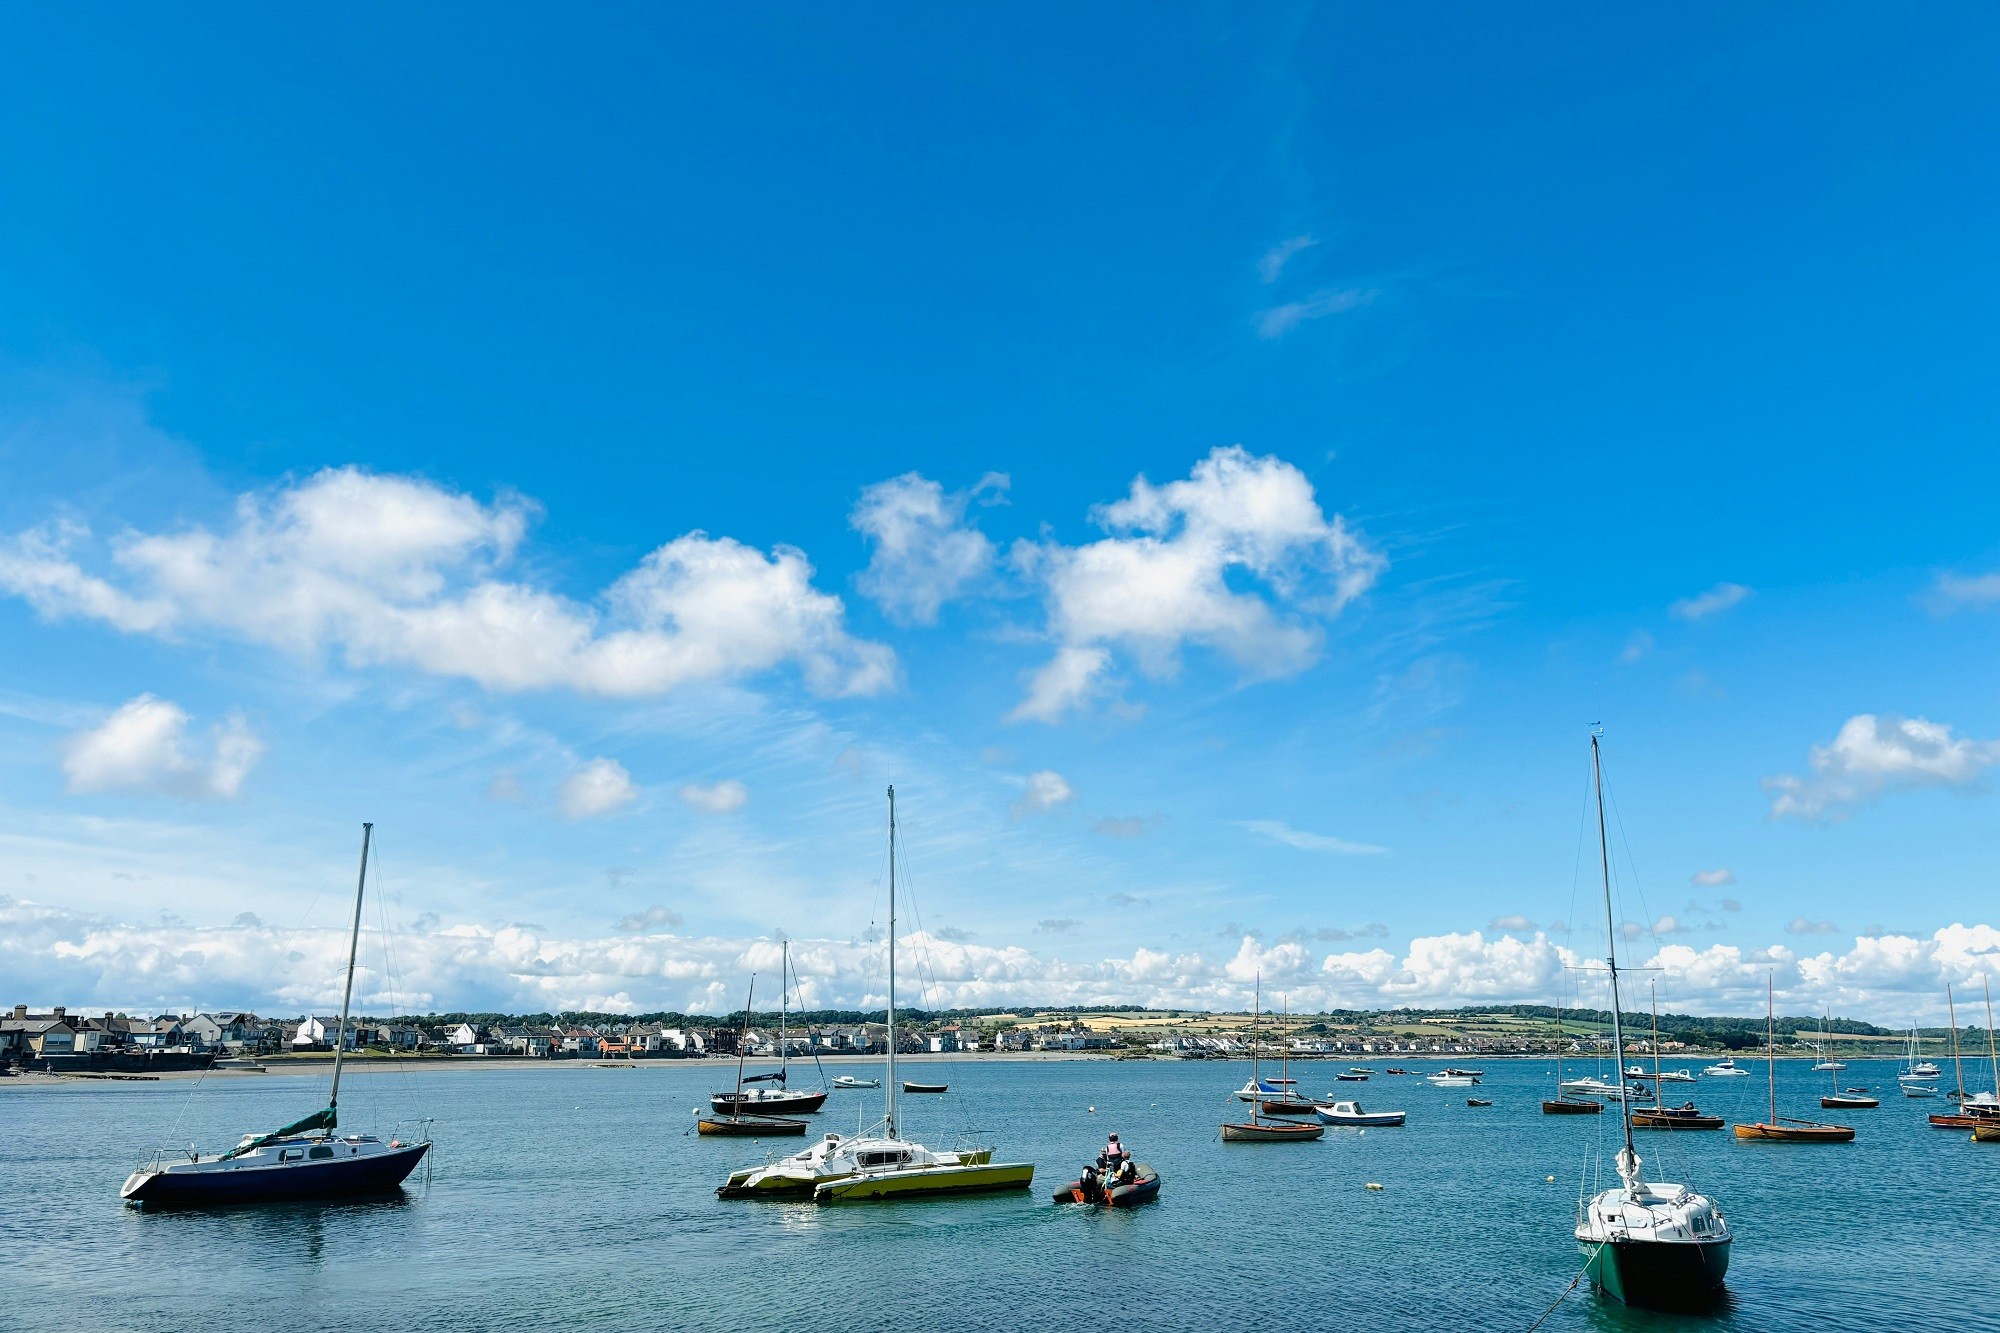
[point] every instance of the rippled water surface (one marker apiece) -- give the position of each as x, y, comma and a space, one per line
573, 1197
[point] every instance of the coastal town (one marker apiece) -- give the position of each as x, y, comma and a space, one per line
62, 1041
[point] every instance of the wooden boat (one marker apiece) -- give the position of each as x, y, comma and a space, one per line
1282, 1131
1978, 1109
1986, 1131
1143, 1188
1350, 1078
1774, 1129
1949, 1121
749, 1126
1572, 1106
1256, 1130
1393, 1070
925, 1087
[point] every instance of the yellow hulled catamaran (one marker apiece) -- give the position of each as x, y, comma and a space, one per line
877, 1165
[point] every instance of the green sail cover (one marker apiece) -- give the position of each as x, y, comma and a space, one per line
317, 1120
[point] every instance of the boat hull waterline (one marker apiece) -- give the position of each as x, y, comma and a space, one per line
928, 1181
1657, 1274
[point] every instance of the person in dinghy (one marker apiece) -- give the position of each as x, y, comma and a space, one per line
1115, 1180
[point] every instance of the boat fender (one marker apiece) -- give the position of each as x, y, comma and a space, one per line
1551, 1180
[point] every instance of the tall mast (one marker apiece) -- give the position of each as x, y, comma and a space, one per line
353, 947
1559, 1044
1771, 1045
1958, 1066
1825, 1025
891, 1081
1654, 989
1256, 1004
743, 1046
1992, 1051
1628, 1160
784, 970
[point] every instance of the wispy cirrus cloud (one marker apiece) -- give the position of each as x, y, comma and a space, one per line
1282, 319
1714, 602
1273, 262
720, 798
1288, 836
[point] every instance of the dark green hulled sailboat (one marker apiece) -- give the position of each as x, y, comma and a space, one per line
1647, 1243
305, 1159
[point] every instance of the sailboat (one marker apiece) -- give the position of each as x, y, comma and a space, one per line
1824, 1063
1850, 1099
1564, 1104
1984, 1107
1787, 1130
1919, 1076
780, 1100
1958, 1119
1290, 1101
729, 1118
1647, 1243
876, 1164
305, 1159
1257, 1129
1684, 1116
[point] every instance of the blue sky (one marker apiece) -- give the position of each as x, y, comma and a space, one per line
435, 423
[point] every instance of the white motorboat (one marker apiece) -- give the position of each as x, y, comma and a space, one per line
1662, 1076
1351, 1113
849, 1081
1725, 1068
1825, 1065
1610, 1092
1450, 1080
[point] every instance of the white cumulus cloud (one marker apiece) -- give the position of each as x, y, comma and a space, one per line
399, 571
925, 553
1710, 879
1044, 790
598, 787
143, 746
1872, 754
1238, 558
721, 798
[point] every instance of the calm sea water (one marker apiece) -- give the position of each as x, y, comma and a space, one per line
575, 1198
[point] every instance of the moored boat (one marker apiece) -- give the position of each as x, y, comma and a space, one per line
1352, 1113
1572, 1106
1786, 1130
743, 1125
303, 1160
1647, 1243
1674, 1117
925, 1087
879, 1167
849, 1081
1725, 1068
1256, 1129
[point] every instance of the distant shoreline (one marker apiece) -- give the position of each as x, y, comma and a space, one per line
385, 1064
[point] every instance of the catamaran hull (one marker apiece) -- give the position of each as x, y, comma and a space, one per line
988, 1178
375, 1173
1659, 1275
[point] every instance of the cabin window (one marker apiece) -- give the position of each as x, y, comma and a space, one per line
291, 1154
320, 1152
